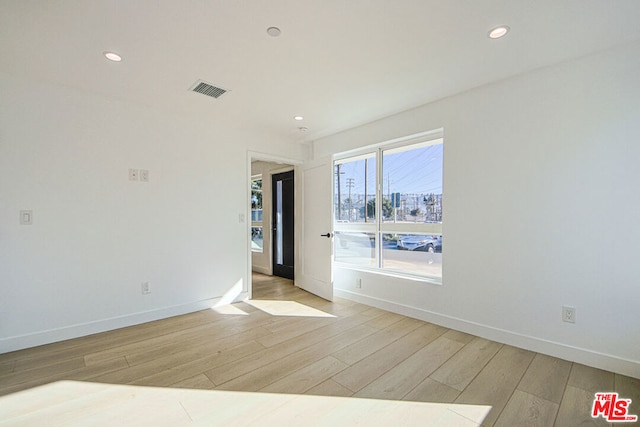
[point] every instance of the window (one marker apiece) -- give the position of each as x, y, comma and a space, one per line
355, 189
256, 214
388, 208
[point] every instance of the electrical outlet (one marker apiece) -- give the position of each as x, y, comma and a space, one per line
568, 314
146, 288
144, 175
359, 283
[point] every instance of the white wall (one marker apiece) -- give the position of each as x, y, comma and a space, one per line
96, 236
541, 210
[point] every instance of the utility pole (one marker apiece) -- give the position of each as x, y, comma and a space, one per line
350, 184
388, 186
338, 173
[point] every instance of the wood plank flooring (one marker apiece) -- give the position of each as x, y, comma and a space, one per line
354, 351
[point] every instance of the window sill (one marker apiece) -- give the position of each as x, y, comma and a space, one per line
390, 273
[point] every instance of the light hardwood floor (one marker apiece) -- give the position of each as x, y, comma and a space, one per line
352, 350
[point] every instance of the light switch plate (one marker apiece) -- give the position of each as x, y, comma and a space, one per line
133, 174
26, 217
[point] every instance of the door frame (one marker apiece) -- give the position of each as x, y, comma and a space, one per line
288, 164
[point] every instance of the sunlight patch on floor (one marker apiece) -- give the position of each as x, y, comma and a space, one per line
230, 309
287, 308
66, 403
232, 294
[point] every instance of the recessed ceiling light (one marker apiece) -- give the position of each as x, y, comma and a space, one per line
273, 31
298, 118
112, 56
498, 32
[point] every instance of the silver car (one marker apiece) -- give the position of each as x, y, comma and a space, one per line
422, 242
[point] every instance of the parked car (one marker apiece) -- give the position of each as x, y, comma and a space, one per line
421, 242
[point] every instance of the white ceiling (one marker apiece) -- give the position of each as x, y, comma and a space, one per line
339, 63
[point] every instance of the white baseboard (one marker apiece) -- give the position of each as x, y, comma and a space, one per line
79, 330
563, 351
261, 269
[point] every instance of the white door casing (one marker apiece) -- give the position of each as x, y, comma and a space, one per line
313, 269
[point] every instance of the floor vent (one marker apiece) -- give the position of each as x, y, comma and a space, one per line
208, 89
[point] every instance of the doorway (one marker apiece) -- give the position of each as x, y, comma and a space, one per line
312, 226
283, 208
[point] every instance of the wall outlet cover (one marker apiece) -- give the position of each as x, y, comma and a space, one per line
569, 314
146, 288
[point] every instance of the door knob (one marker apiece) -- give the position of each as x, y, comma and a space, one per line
326, 235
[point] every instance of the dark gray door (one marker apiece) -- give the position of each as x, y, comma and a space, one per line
283, 211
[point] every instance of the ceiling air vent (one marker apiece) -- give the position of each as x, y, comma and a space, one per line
208, 89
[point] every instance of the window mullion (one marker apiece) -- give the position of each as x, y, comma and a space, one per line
379, 196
